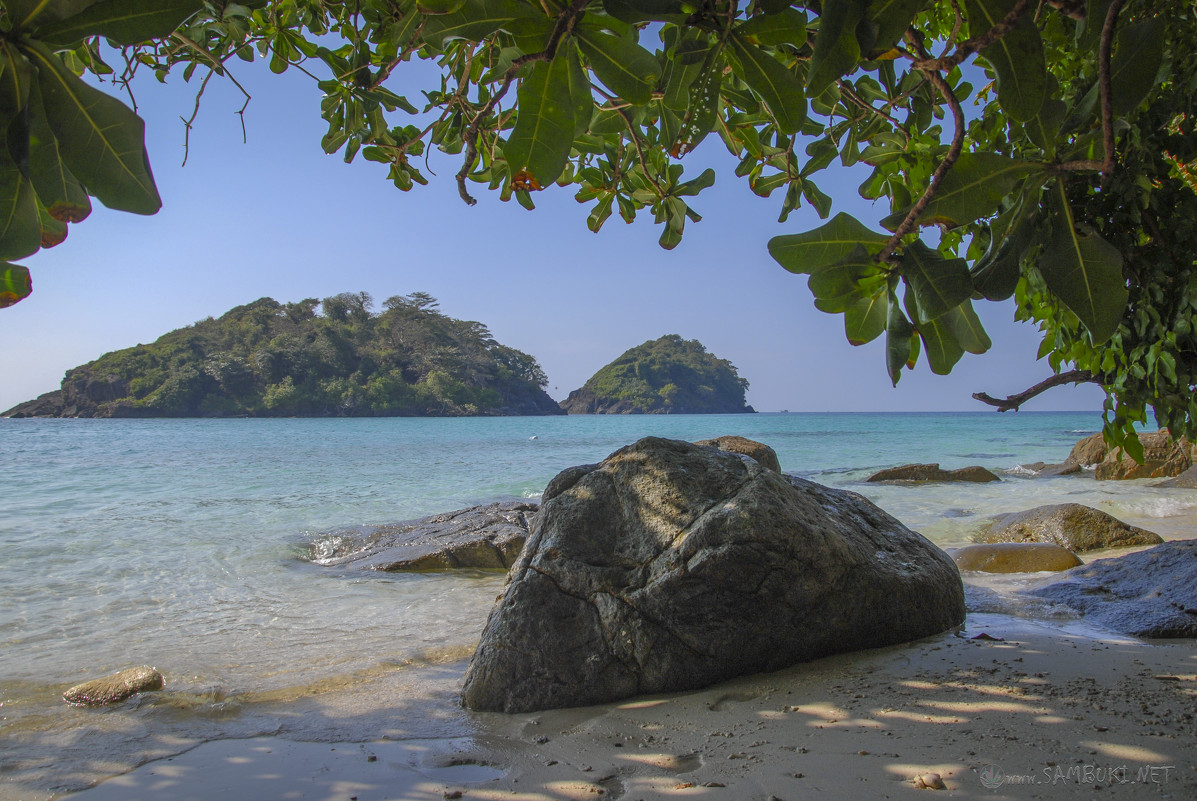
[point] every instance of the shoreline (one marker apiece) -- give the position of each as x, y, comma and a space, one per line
1008, 708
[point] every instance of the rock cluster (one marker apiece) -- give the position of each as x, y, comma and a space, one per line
671, 566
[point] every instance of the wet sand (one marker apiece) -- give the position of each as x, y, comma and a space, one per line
1006, 708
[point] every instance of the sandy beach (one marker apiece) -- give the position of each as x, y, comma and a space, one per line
1006, 708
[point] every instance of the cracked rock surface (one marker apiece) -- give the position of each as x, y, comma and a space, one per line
671, 566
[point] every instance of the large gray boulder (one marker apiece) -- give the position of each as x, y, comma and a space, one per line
488, 536
1151, 593
671, 566
1071, 525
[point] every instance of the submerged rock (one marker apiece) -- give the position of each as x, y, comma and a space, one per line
1015, 557
749, 447
1045, 470
488, 536
1151, 593
671, 566
1186, 480
933, 472
1071, 525
116, 687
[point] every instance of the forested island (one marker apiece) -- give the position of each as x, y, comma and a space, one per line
669, 375
315, 358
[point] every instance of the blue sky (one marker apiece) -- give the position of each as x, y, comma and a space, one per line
277, 217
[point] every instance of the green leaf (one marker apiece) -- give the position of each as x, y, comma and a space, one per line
778, 87
20, 231
1138, 53
966, 328
996, 274
544, 129
15, 285
626, 68
580, 93
892, 18
836, 50
825, 245
785, 27
703, 109
971, 190
634, 11
898, 334
1017, 57
681, 74
1083, 271
838, 286
476, 20
101, 140
938, 284
27, 14
692, 187
439, 6
53, 231
57, 189
865, 319
941, 347
126, 22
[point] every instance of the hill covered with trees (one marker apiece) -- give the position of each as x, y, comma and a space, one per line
330, 358
669, 375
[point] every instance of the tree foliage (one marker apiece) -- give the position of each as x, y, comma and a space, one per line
273, 359
663, 376
1035, 149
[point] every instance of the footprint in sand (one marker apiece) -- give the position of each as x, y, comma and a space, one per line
721, 703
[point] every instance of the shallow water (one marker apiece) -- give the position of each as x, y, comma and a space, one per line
178, 543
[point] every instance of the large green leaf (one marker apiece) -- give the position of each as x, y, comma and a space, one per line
1083, 271
940, 345
476, 20
898, 335
20, 230
771, 30
995, 275
15, 285
971, 190
57, 189
26, 14
544, 129
101, 140
966, 328
840, 285
1017, 57
635, 11
892, 18
626, 68
776, 84
1138, 53
702, 112
938, 284
865, 319
127, 22
836, 50
825, 245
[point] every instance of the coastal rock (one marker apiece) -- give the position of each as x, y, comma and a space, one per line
1186, 480
48, 405
1071, 525
749, 447
671, 566
1045, 470
933, 472
488, 536
1088, 451
1015, 557
1162, 457
116, 687
1151, 593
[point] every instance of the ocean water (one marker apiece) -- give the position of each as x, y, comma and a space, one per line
182, 544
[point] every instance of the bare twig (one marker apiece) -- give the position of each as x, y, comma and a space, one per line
908, 224
977, 43
1014, 401
1105, 82
848, 92
565, 24
187, 123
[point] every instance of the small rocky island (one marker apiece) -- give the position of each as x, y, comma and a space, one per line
669, 375
315, 358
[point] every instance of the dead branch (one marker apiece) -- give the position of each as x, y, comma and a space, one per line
1014, 401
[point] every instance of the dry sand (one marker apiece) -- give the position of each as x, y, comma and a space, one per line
1005, 709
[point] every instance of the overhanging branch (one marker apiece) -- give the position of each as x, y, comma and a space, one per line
1014, 401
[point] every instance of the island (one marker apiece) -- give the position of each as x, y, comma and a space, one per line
669, 375
314, 358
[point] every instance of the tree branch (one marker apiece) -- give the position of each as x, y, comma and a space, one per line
1014, 401
977, 43
1106, 84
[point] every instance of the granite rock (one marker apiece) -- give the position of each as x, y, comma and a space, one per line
1071, 525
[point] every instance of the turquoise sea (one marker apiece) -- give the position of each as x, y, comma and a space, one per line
181, 544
